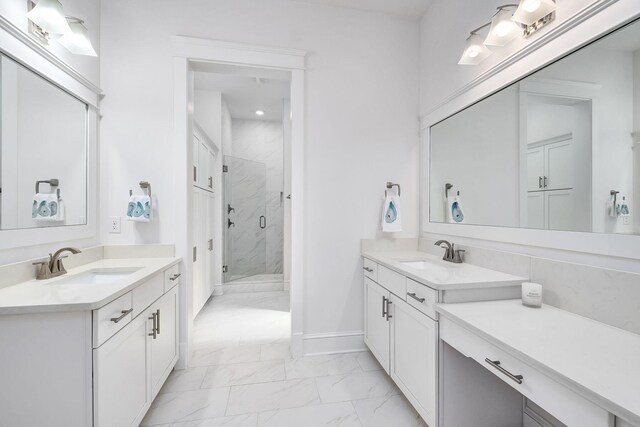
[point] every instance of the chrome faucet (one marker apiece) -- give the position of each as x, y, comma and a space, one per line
451, 254
54, 267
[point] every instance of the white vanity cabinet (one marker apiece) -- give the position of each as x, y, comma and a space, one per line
402, 338
84, 367
130, 368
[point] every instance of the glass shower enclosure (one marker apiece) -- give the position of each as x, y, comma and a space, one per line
245, 199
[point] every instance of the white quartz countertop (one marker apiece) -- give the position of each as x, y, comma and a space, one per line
35, 296
598, 361
443, 275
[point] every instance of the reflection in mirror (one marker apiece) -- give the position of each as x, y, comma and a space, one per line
554, 151
43, 152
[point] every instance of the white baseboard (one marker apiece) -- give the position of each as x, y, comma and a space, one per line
333, 342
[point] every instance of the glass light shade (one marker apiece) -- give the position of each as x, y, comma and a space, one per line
530, 11
502, 30
48, 15
77, 41
474, 51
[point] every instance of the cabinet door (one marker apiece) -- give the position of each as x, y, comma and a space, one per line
559, 165
535, 168
121, 390
414, 347
211, 164
203, 163
535, 210
210, 253
196, 154
164, 347
376, 325
197, 256
561, 210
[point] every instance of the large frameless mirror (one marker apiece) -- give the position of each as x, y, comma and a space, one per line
557, 150
43, 152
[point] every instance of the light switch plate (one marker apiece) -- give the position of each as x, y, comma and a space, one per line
114, 224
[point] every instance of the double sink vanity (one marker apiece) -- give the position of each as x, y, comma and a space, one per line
462, 348
92, 346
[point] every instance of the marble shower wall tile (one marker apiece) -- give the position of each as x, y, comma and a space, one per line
608, 296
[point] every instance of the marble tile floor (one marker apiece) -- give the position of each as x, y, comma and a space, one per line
242, 375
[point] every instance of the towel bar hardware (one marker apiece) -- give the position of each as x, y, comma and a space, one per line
145, 185
447, 187
614, 193
52, 183
413, 295
390, 185
369, 269
496, 364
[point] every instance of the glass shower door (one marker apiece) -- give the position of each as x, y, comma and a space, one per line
245, 194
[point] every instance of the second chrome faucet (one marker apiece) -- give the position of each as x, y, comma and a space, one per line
451, 254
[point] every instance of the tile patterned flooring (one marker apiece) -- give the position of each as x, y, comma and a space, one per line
242, 375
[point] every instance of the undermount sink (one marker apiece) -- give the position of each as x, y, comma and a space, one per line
420, 265
100, 276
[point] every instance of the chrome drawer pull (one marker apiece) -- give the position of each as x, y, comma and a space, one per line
154, 328
122, 316
413, 295
389, 316
370, 270
175, 276
158, 318
496, 364
384, 306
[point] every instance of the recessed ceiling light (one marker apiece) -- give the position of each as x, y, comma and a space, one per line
259, 113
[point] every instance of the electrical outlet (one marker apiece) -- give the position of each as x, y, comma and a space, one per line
114, 224
626, 220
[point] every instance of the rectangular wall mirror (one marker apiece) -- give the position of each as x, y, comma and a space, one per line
43, 151
557, 150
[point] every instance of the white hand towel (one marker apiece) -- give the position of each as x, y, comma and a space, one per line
391, 217
623, 207
455, 213
139, 208
611, 207
45, 207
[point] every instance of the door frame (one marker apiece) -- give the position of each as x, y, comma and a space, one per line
187, 51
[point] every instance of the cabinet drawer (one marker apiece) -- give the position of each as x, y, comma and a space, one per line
171, 277
370, 269
422, 297
562, 403
145, 294
111, 318
392, 281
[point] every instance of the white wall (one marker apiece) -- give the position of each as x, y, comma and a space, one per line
361, 128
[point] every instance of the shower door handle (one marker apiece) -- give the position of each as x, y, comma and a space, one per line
263, 221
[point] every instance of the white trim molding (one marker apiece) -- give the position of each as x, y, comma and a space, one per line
187, 53
589, 24
332, 343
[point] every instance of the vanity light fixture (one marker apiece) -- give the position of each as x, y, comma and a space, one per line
529, 17
259, 113
77, 41
534, 14
49, 17
503, 28
474, 49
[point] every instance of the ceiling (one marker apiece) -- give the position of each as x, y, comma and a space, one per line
406, 9
245, 93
